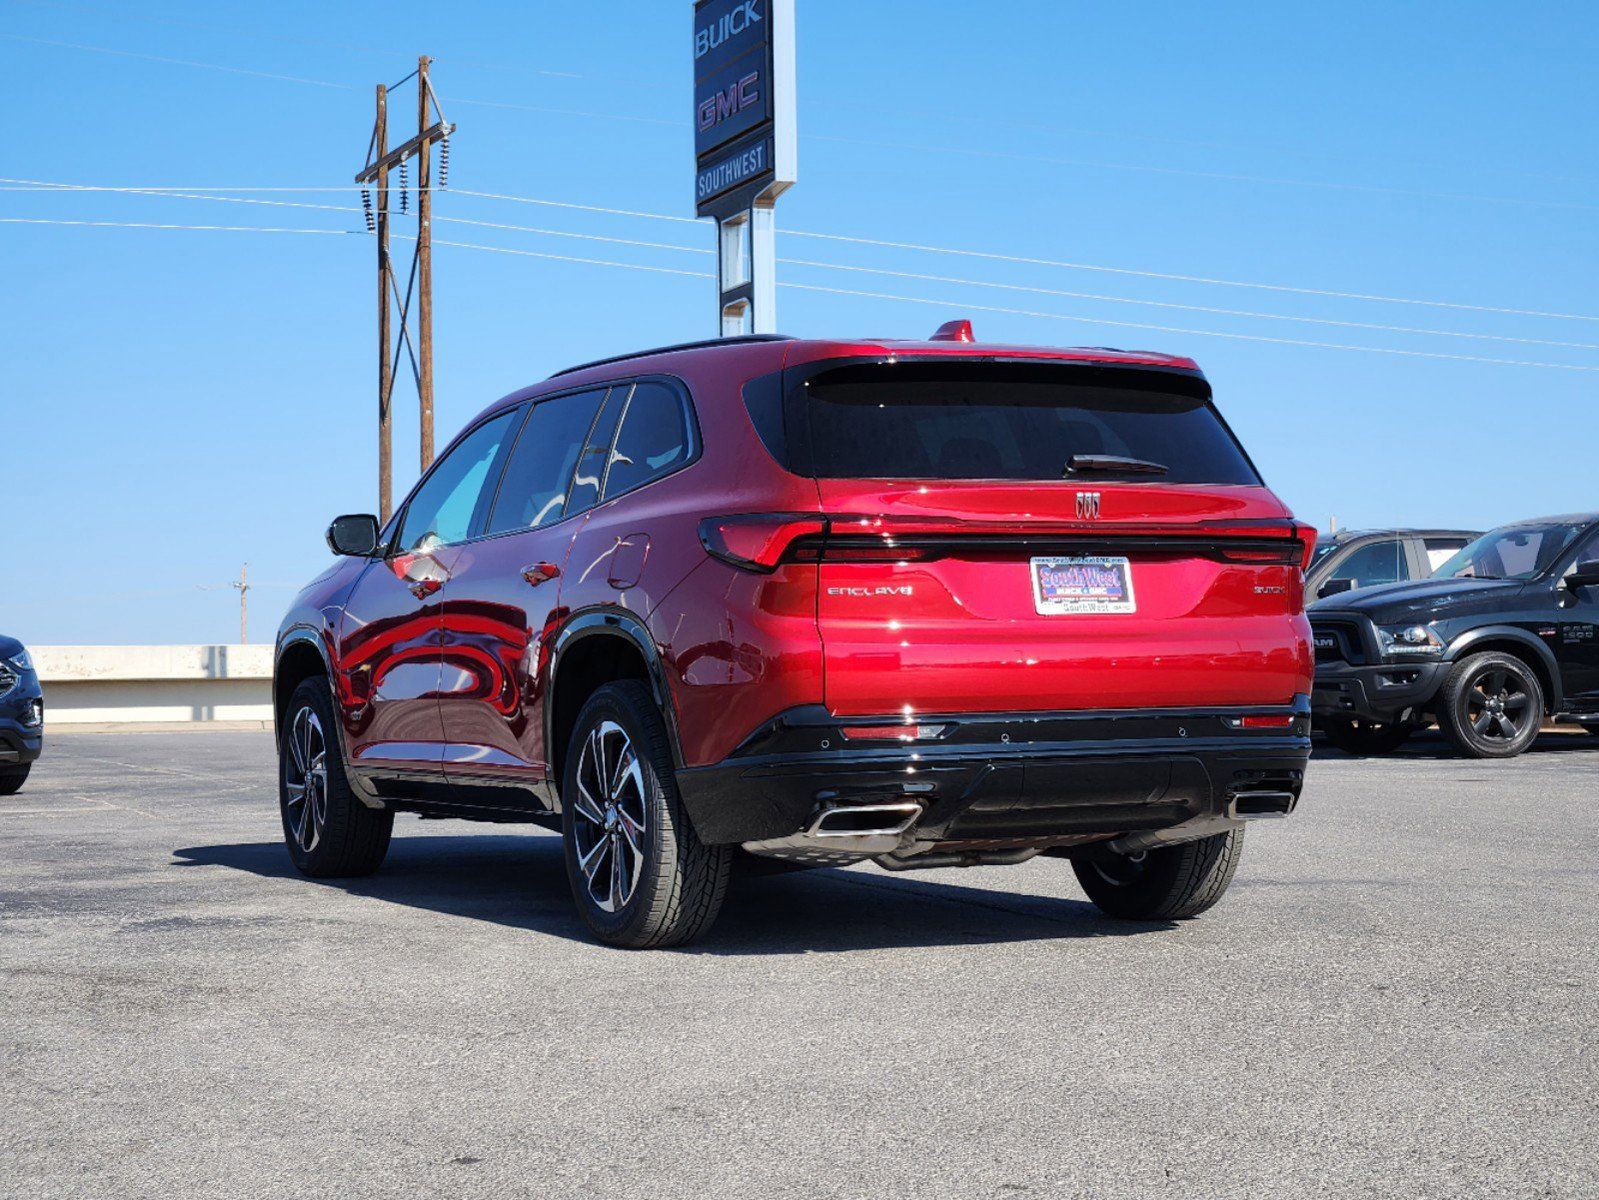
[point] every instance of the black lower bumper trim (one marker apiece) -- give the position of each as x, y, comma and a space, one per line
1382, 692
1058, 787
19, 744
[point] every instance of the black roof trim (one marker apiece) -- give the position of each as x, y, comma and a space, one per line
721, 341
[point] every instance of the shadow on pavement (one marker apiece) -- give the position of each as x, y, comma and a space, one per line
520, 881
1432, 746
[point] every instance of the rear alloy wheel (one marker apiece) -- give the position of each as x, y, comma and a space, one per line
1491, 706
12, 779
639, 873
1170, 883
1362, 738
329, 832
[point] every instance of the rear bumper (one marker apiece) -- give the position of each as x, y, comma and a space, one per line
1382, 692
1005, 779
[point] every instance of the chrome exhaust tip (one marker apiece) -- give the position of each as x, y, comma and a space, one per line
864, 820
1253, 806
840, 834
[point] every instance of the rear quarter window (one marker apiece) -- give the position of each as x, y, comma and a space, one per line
1004, 421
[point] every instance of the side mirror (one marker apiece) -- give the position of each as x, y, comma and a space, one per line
1586, 574
355, 534
1333, 586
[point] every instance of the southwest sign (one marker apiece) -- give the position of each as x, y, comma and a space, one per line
743, 102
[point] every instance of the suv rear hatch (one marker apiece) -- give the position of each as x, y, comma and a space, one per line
1031, 537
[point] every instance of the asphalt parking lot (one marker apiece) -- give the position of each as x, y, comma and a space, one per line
1397, 998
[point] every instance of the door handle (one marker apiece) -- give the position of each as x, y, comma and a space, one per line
423, 588
540, 573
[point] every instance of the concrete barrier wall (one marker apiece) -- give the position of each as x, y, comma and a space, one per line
114, 684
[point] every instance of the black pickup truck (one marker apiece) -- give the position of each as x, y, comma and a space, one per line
1502, 636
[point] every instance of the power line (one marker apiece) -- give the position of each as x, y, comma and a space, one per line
1045, 262
876, 143
958, 305
178, 62
808, 287
164, 225
1022, 288
943, 116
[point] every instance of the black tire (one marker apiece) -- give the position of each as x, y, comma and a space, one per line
1363, 738
345, 837
1168, 884
625, 830
12, 779
1491, 706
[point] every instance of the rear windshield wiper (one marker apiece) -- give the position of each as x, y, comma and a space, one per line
1111, 464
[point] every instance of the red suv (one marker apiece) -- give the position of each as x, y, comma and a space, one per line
925, 603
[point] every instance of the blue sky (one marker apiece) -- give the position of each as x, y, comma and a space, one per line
176, 402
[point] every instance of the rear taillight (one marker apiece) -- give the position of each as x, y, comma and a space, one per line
1307, 540
1288, 554
759, 541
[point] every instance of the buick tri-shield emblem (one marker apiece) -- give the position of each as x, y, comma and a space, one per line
1088, 506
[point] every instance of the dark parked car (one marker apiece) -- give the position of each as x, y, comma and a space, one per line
1505, 634
21, 715
921, 603
1352, 559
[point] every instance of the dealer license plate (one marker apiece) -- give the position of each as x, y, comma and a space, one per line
1083, 585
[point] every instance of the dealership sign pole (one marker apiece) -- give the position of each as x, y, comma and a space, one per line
744, 148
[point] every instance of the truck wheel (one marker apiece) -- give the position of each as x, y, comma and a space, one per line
1491, 706
12, 779
1362, 738
1167, 884
639, 873
329, 832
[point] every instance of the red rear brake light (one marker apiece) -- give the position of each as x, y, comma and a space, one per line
758, 541
1288, 554
1307, 539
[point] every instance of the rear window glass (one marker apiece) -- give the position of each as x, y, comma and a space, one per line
1003, 421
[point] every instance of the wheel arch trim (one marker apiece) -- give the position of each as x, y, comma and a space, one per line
614, 622
1473, 642
297, 637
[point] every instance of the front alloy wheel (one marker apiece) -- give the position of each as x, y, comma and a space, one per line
327, 829
305, 777
1491, 706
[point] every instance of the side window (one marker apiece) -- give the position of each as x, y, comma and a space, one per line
533, 491
443, 508
1441, 550
1379, 562
590, 474
653, 440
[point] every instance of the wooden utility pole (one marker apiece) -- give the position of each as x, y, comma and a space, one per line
243, 584
380, 160
424, 263
385, 340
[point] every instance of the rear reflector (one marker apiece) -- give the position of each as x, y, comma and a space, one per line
1262, 721
890, 733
